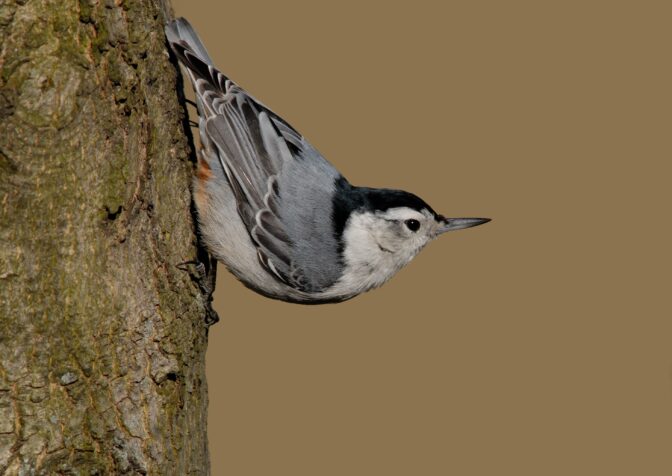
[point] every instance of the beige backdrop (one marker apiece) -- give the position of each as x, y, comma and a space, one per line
539, 344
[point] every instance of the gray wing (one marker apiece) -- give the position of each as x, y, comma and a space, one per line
283, 186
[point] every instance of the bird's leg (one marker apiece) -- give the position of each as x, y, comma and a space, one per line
208, 275
205, 276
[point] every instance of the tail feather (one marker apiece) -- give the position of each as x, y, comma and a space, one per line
181, 31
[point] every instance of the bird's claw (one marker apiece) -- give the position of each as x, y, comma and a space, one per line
204, 276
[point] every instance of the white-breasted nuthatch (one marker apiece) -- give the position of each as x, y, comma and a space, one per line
282, 219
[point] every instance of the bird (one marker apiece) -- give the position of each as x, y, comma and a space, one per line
276, 213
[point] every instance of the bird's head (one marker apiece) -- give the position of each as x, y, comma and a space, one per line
404, 231
391, 228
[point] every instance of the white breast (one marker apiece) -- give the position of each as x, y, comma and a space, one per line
367, 264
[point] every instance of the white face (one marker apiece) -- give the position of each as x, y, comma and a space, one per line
377, 245
402, 231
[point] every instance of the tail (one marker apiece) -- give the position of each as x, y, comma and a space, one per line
180, 33
208, 84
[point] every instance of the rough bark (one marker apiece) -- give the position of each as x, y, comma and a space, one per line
102, 336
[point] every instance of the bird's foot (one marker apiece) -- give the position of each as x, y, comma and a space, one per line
204, 275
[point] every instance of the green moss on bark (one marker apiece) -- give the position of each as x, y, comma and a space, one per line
102, 340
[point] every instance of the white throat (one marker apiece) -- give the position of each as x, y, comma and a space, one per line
369, 260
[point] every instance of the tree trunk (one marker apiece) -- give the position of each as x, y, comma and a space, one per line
102, 334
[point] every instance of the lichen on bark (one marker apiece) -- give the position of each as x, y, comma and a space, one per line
102, 341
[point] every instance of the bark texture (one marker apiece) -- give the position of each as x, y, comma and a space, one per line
102, 336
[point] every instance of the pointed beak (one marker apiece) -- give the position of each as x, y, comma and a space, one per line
452, 224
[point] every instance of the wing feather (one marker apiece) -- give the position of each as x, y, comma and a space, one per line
255, 147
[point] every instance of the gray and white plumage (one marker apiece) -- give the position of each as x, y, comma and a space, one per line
276, 213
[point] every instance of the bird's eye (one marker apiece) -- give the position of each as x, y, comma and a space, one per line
413, 225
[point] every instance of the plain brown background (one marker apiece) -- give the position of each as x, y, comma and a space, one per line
539, 344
